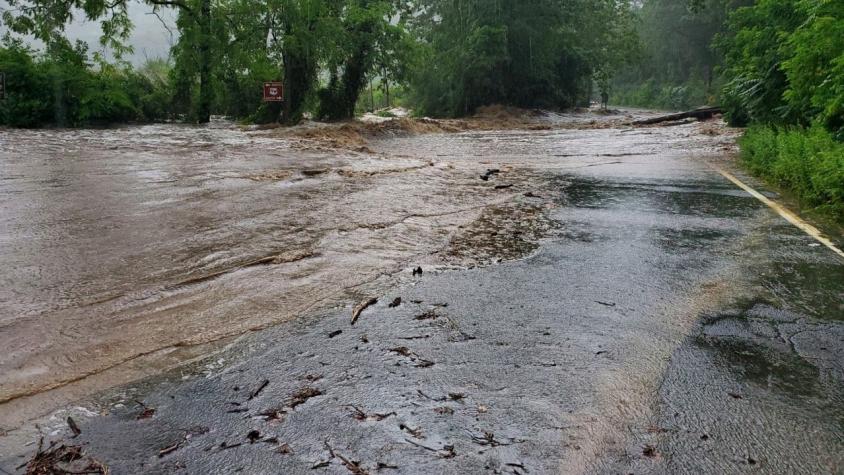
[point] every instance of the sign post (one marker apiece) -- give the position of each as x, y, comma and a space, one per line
273, 92
2, 85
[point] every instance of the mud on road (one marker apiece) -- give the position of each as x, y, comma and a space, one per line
593, 298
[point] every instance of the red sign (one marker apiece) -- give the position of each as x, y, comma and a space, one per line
273, 92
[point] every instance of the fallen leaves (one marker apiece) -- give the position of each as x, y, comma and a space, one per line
63, 459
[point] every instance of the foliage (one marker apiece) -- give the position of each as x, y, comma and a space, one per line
366, 43
677, 67
815, 69
61, 87
532, 54
755, 49
809, 162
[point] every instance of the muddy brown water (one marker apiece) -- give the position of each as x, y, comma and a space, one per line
628, 310
128, 249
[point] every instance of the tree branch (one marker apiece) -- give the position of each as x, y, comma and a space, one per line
172, 3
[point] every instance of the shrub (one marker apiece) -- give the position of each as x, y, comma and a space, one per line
59, 87
807, 161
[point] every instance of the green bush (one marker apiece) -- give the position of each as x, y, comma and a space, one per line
60, 87
650, 94
808, 162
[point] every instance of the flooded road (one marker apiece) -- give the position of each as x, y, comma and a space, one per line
120, 244
594, 299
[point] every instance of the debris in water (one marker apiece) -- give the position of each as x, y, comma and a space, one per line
284, 449
169, 449
315, 172
384, 466
260, 388
298, 398
73, 427
253, 436
225, 445
62, 459
335, 333
606, 304
446, 452
402, 350
488, 439
420, 362
419, 391
456, 396
504, 187
416, 433
395, 303
301, 396
417, 271
352, 466
362, 416
489, 173
735, 395
361, 307
147, 412
428, 315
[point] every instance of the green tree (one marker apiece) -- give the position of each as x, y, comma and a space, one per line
46, 19
541, 53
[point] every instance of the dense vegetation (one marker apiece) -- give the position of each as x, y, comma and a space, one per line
61, 87
447, 56
784, 75
541, 53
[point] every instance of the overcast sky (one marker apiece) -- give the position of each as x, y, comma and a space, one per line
150, 38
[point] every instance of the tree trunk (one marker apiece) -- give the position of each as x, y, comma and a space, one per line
203, 112
703, 113
371, 97
387, 90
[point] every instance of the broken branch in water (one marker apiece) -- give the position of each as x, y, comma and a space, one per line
703, 113
359, 308
260, 388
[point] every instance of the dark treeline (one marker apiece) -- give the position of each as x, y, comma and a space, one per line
447, 57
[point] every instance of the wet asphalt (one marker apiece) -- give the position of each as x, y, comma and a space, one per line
666, 322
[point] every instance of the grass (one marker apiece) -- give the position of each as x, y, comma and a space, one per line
809, 163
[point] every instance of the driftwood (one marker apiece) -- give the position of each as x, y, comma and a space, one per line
702, 113
361, 307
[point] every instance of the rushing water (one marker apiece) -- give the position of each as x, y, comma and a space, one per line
123, 243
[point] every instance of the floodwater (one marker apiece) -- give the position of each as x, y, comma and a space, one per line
130, 248
118, 244
594, 306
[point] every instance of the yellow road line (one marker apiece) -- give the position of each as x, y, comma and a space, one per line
788, 215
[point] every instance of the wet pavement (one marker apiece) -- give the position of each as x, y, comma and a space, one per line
621, 308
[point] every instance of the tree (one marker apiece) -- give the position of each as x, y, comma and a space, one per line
46, 19
364, 30
531, 54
